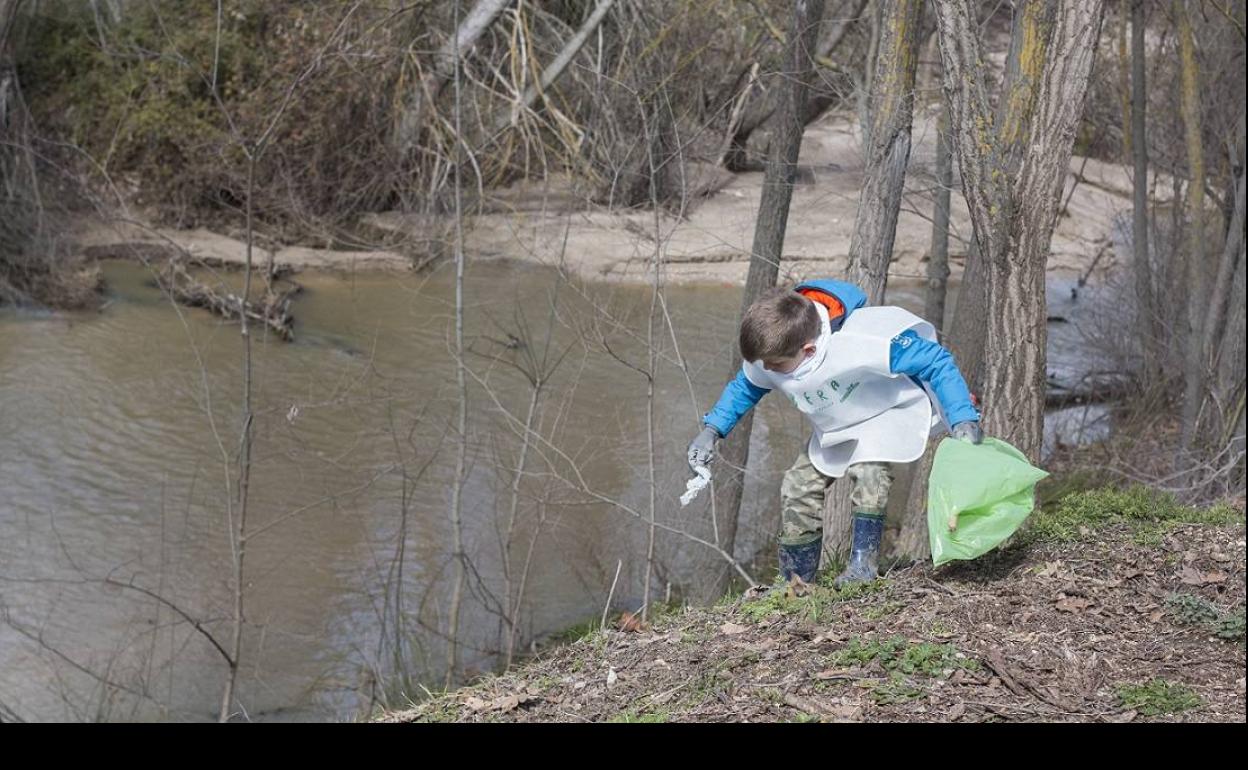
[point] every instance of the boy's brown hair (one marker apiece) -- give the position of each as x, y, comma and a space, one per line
777, 324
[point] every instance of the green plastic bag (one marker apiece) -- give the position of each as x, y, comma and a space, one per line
986, 490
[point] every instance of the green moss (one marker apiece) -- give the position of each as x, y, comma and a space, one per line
899, 655
818, 600
1150, 514
1157, 697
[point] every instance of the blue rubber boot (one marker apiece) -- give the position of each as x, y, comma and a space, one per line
801, 560
864, 557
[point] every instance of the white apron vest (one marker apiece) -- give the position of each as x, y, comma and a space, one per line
860, 410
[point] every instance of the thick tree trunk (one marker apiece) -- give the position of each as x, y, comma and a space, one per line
1011, 182
875, 227
1194, 381
1029, 39
888, 152
868, 78
773, 214
1014, 377
1001, 149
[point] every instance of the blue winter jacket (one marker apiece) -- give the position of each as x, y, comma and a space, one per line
924, 361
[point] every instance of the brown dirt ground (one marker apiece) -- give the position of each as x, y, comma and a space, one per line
1046, 632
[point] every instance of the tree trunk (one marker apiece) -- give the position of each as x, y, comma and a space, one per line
458, 555
20, 204
1012, 181
1125, 94
1030, 32
991, 156
1233, 241
1014, 383
887, 144
773, 214
938, 261
912, 542
888, 151
1230, 376
1219, 337
1149, 323
420, 98
1194, 385
846, 15
868, 77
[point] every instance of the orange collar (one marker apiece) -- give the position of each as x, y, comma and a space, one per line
835, 308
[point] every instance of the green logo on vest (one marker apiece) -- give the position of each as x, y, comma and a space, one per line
823, 396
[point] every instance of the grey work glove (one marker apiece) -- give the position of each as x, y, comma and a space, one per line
968, 431
702, 448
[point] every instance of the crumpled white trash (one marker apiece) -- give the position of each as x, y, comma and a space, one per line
695, 485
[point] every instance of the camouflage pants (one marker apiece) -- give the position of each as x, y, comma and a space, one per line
803, 489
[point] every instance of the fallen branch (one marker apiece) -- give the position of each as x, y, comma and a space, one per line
273, 311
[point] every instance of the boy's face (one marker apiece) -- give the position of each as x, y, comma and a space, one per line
787, 365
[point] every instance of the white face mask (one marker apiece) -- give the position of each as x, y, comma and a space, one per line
815, 360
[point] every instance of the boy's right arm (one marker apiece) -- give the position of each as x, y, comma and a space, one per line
739, 397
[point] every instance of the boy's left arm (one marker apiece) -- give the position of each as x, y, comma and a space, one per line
930, 363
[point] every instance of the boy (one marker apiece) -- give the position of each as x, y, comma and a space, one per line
866, 378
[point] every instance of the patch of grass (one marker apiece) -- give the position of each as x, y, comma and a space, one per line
819, 599
1149, 513
544, 682
641, 716
941, 627
1051, 490
1231, 626
896, 654
1192, 610
693, 637
775, 602
896, 689
662, 613
1149, 537
583, 630
1156, 697
877, 611
441, 711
